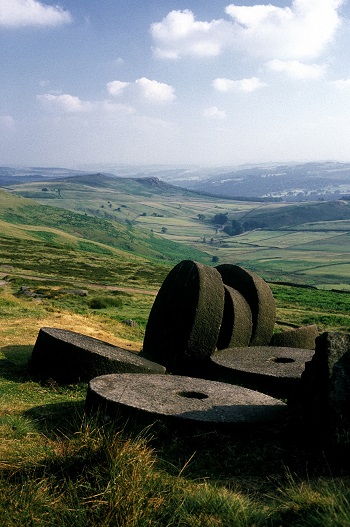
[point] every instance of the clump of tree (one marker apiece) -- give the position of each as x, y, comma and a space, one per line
220, 219
234, 228
238, 227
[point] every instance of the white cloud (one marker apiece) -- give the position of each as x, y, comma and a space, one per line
7, 122
243, 85
256, 15
296, 32
296, 69
20, 13
179, 33
342, 84
67, 103
299, 31
213, 112
155, 91
144, 89
116, 88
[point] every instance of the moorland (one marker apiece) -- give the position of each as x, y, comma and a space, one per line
88, 254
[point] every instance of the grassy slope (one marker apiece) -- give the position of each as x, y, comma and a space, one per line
301, 213
296, 244
86, 232
59, 468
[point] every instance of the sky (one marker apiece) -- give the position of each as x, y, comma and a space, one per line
174, 82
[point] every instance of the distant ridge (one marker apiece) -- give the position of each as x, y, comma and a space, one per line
99, 179
294, 215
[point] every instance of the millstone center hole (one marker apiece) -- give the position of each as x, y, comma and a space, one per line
193, 395
283, 360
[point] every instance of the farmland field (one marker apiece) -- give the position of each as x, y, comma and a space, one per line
314, 253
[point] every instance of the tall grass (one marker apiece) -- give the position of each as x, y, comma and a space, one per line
318, 504
102, 477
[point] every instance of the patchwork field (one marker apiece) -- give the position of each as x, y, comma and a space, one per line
145, 215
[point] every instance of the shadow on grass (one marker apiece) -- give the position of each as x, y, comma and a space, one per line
251, 460
57, 419
14, 367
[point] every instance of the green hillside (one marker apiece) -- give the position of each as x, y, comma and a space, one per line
305, 243
292, 215
26, 218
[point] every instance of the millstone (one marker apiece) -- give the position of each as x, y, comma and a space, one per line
259, 297
66, 356
273, 370
302, 337
323, 397
236, 326
181, 400
185, 318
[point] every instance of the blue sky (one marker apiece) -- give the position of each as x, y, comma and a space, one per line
174, 82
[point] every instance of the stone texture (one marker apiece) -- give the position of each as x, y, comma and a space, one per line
180, 400
323, 400
66, 356
303, 337
260, 299
236, 326
272, 370
186, 316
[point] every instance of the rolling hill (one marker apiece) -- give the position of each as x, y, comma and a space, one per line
304, 242
29, 224
296, 215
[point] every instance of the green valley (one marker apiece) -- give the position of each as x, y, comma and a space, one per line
305, 243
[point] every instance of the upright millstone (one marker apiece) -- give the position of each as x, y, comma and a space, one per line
236, 327
302, 337
259, 297
185, 319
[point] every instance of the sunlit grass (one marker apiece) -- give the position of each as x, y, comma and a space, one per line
59, 467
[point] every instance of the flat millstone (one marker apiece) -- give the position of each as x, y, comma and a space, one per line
182, 400
274, 370
260, 299
67, 356
185, 319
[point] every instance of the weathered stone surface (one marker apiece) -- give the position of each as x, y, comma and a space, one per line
259, 297
185, 318
324, 395
181, 400
236, 326
66, 356
273, 370
303, 337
